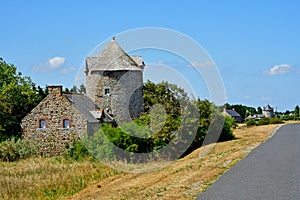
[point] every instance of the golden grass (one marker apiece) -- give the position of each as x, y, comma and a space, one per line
184, 178
58, 178
48, 178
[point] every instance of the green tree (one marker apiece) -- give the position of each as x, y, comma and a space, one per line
42, 93
205, 108
171, 98
287, 112
170, 115
82, 88
243, 110
66, 90
74, 89
250, 111
18, 95
296, 111
211, 118
259, 110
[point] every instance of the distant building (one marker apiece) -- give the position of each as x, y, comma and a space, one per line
255, 117
268, 111
232, 113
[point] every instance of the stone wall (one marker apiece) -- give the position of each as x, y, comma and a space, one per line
268, 114
91, 85
125, 98
53, 139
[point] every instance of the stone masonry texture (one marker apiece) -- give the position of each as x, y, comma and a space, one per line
54, 139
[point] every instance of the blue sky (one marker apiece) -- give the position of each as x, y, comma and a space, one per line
255, 44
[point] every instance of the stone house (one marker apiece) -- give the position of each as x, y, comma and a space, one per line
60, 118
114, 82
232, 113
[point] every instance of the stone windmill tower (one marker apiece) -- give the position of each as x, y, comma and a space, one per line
268, 111
114, 81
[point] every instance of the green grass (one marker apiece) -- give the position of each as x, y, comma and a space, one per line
49, 178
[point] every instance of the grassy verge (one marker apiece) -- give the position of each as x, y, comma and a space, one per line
58, 178
48, 178
185, 178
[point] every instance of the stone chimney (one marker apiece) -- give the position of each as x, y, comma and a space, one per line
55, 90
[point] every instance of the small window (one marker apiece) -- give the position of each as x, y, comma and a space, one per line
42, 123
66, 123
106, 91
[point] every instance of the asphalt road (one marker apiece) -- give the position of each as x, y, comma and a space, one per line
270, 172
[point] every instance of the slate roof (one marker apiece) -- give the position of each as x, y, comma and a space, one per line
88, 108
233, 113
83, 104
112, 58
268, 108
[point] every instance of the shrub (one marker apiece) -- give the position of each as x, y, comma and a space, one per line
231, 122
251, 122
287, 117
12, 150
263, 121
227, 133
77, 151
275, 121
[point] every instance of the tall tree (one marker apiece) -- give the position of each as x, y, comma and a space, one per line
18, 95
74, 89
42, 93
259, 110
66, 90
82, 88
250, 111
296, 111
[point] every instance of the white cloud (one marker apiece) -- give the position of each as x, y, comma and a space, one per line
56, 61
67, 70
278, 69
202, 64
51, 64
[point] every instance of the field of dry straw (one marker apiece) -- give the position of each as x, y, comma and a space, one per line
58, 178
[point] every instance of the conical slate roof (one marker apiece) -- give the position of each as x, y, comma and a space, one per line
268, 108
112, 58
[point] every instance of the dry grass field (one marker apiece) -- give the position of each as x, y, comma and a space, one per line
48, 178
185, 178
58, 178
